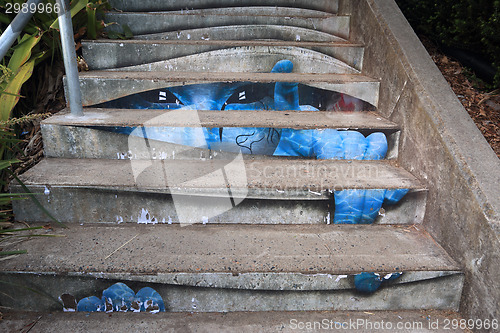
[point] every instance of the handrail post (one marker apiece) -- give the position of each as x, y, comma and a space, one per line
74, 93
17, 25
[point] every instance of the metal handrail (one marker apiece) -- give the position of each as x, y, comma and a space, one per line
10, 35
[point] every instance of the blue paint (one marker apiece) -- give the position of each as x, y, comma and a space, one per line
122, 298
369, 283
351, 206
363, 206
149, 297
91, 304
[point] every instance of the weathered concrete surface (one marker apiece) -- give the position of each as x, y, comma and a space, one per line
440, 293
265, 191
441, 145
251, 322
247, 32
228, 118
102, 86
329, 6
298, 177
157, 22
196, 249
165, 56
240, 268
66, 136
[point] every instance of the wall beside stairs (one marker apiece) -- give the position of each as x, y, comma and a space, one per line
440, 145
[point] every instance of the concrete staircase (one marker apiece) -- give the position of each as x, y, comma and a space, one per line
260, 239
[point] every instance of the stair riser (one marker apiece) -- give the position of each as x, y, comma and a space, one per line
142, 23
439, 293
96, 90
330, 6
81, 205
245, 33
101, 55
85, 142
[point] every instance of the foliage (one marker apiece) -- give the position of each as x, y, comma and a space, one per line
467, 24
39, 45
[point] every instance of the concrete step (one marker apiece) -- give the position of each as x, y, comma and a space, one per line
248, 322
92, 136
102, 86
223, 268
157, 22
225, 56
186, 191
247, 32
330, 6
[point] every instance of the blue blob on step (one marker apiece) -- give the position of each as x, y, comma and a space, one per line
348, 206
354, 144
150, 300
370, 282
120, 296
91, 304
373, 201
393, 196
283, 66
349, 145
363, 206
367, 282
295, 143
328, 145
376, 147
210, 96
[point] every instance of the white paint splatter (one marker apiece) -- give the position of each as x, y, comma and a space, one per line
145, 217
316, 193
340, 277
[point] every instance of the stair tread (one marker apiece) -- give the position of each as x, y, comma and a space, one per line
199, 77
268, 321
152, 5
230, 118
227, 43
197, 248
274, 177
244, 11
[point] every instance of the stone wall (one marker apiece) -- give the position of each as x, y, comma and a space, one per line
440, 145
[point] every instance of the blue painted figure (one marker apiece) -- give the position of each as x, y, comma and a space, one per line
351, 206
119, 297
369, 283
149, 300
91, 304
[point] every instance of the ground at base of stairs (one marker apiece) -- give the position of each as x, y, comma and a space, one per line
400, 321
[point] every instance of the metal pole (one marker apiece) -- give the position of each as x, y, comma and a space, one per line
17, 25
74, 93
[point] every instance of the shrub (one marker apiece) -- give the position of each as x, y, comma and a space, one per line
472, 25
